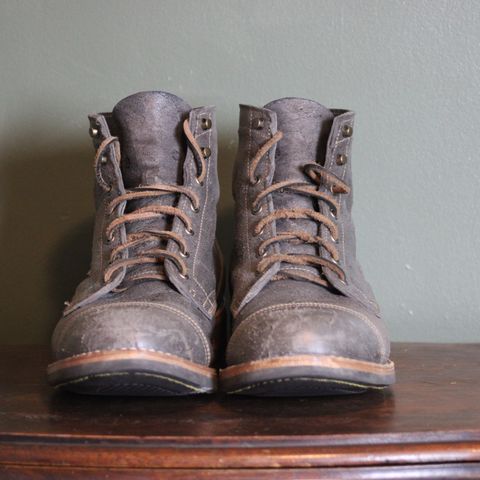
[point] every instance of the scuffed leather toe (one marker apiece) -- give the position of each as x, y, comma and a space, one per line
308, 328
131, 325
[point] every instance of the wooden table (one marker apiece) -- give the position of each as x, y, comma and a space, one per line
427, 426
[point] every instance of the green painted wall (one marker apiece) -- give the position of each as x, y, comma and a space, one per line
410, 69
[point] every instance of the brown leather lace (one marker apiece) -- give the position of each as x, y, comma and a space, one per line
136, 239
319, 175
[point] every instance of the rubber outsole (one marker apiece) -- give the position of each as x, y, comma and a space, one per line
306, 375
131, 373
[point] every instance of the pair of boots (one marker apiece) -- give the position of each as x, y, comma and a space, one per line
148, 320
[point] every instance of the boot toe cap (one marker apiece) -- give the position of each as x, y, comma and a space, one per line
131, 326
309, 329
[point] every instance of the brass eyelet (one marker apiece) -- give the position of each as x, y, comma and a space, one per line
342, 159
189, 231
206, 123
259, 123
206, 152
93, 132
347, 130
256, 210
194, 209
256, 180
262, 254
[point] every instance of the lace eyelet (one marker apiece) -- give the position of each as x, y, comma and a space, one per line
347, 130
185, 277
111, 238
206, 123
103, 160
194, 209
256, 210
184, 254
334, 240
199, 182
259, 123
189, 231
261, 253
256, 180
332, 213
206, 152
94, 131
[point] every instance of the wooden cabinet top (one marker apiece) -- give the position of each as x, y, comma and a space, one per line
430, 417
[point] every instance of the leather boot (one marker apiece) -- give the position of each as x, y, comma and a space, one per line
305, 320
143, 322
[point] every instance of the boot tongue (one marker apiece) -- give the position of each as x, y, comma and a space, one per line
152, 151
305, 125
150, 128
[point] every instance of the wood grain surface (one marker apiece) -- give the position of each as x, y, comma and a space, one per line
427, 425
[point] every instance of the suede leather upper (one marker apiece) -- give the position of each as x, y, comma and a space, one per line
176, 315
289, 317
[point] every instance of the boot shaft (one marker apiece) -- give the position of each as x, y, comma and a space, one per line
315, 140
142, 146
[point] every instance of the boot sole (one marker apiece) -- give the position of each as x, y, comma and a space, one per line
306, 375
131, 373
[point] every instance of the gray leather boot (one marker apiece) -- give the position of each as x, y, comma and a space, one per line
143, 321
305, 320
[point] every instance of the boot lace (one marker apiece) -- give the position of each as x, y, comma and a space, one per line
144, 237
318, 176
